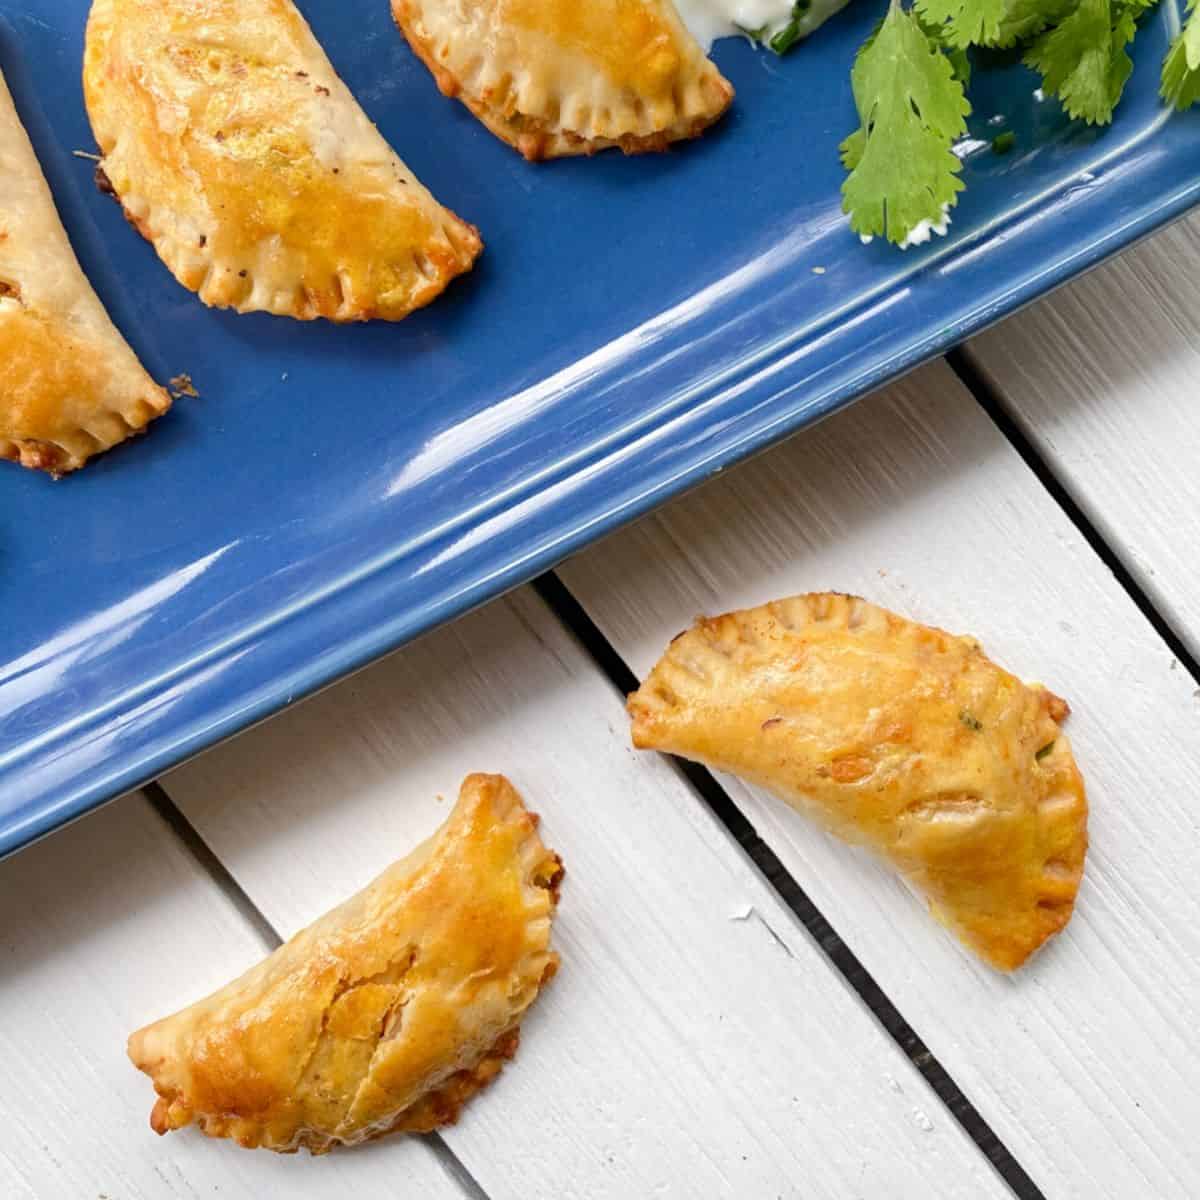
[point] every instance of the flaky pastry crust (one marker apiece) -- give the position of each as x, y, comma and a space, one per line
70, 386
389, 1012
561, 77
896, 736
237, 151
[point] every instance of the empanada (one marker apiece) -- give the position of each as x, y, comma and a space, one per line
894, 735
238, 152
386, 1014
70, 386
559, 77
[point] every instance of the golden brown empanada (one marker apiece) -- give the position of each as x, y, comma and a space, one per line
386, 1014
558, 77
239, 153
894, 735
70, 386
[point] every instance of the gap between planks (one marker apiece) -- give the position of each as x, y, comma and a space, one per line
1100, 376
574, 617
990, 400
919, 480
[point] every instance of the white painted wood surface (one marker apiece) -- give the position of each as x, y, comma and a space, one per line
695, 1043
107, 925
1104, 376
1087, 1063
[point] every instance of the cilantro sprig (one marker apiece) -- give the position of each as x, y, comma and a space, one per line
965, 22
912, 108
1181, 70
910, 78
997, 24
1083, 60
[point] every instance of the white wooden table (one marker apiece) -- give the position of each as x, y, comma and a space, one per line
746, 1008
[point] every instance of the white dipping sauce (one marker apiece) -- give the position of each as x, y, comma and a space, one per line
711, 19
920, 233
923, 231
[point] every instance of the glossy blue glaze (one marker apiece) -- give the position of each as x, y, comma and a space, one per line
634, 326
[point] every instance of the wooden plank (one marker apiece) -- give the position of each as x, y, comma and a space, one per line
107, 925
695, 1042
1085, 1063
1104, 377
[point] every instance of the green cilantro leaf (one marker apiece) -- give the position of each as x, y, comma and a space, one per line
998, 24
1025, 18
1181, 69
1083, 61
902, 168
963, 23
958, 56
960, 64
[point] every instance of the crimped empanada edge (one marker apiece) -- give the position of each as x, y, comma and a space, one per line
235, 285
541, 869
1060, 801
538, 139
61, 457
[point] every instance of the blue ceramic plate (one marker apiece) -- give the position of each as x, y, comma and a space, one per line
634, 325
